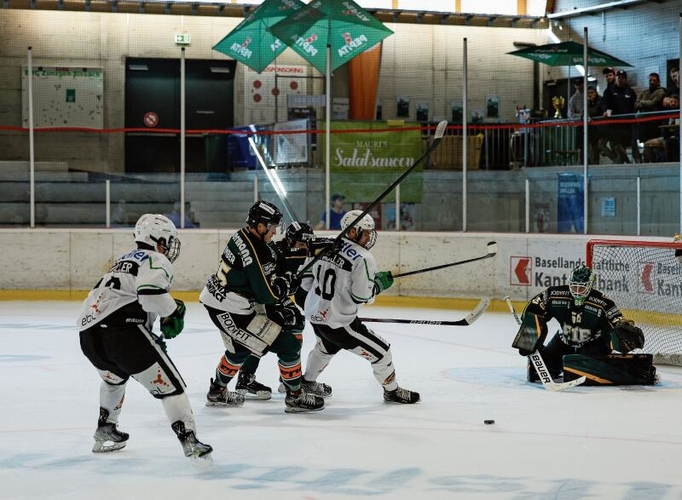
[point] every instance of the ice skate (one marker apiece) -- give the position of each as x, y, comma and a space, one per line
316, 388
401, 395
301, 402
192, 447
107, 436
250, 388
220, 396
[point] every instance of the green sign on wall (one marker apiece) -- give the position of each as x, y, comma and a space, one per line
366, 157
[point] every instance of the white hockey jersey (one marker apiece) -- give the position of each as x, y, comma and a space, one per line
134, 291
341, 282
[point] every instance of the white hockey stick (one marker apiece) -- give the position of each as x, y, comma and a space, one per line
466, 321
539, 363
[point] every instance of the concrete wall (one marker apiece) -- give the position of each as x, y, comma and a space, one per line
66, 263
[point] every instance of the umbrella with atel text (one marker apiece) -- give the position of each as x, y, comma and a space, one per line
250, 42
567, 54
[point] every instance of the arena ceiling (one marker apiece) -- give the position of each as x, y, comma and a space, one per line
240, 10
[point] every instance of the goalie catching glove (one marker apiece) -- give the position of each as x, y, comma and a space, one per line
382, 281
172, 325
626, 336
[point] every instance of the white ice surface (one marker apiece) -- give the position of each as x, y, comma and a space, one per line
596, 443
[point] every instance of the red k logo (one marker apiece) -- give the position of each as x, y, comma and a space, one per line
520, 271
645, 282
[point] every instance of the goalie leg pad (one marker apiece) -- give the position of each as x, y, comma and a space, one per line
613, 369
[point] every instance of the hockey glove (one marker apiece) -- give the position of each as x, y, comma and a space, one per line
284, 316
172, 325
626, 336
285, 284
382, 281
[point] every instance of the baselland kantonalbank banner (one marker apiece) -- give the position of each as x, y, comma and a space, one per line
364, 163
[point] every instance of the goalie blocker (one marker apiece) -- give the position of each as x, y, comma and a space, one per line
613, 369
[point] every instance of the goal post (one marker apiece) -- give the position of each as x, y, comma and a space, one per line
644, 279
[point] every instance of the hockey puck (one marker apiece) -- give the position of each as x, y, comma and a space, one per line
488, 422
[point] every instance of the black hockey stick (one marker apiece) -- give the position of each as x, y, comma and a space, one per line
492, 251
468, 320
539, 363
437, 138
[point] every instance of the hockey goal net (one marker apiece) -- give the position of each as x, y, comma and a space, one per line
644, 279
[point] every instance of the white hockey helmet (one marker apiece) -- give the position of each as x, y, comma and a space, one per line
157, 229
362, 226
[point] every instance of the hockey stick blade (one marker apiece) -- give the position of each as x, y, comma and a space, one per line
466, 321
437, 138
491, 252
539, 364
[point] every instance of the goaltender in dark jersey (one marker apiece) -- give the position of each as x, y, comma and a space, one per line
592, 321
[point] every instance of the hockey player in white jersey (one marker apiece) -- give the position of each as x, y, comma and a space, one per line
338, 283
116, 325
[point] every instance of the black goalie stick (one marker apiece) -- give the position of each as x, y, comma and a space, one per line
468, 320
539, 363
492, 251
437, 138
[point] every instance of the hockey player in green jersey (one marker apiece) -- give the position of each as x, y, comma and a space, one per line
299, 244
594, 339
245, 300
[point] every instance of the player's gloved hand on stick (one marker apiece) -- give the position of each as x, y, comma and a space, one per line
382, 281
283, 316
172, 325
285, 284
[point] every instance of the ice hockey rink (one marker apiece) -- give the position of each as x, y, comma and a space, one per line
596, 443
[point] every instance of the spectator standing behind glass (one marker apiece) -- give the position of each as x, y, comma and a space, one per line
605, 149
674, 82
620, 99
649, 100
175, 217
575, 110
660, 148
594, 133
335, 214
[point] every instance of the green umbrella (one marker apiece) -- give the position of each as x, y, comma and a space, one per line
342, 25
328, 34
250, 42
567, 54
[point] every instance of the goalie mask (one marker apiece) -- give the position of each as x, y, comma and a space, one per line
580, 284
263, 212
155, 229
364, 226
298, 232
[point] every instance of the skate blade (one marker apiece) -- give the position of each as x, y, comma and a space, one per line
102, 447
224, 405
258, 396
290, 409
